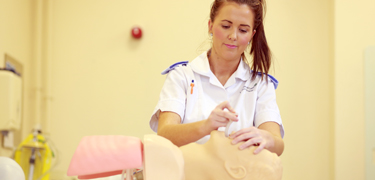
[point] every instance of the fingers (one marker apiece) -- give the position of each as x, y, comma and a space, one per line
260, 148
224, 115
216, 120
226, 105
246, 137
244, 133
258, 141
222, 119
225, 110
229, 116
221, 116
251, 136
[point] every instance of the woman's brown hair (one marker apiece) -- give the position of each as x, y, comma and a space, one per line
259, 47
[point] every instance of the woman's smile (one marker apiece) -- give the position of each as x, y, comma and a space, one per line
231, 46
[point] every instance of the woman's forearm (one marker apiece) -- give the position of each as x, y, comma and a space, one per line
170, 125
180, 134
278, 145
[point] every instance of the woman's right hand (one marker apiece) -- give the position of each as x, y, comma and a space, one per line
219, 117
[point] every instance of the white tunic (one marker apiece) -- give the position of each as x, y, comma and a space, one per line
253, 100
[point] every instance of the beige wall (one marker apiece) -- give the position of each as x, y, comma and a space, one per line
94, 79
354, 31
301, 35
15, 40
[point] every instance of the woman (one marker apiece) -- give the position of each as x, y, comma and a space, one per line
219, 86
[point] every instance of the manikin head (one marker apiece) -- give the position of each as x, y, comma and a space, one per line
219, 159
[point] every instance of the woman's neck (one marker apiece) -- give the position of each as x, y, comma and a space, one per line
222, 68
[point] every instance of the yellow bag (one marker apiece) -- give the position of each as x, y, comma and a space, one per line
34, 156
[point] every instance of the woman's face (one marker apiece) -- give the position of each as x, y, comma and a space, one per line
232, 30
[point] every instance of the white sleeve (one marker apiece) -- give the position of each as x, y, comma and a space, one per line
266, 107
172, 97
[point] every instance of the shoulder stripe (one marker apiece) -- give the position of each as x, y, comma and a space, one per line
170, 68
273, 79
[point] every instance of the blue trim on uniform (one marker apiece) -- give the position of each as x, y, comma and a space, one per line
166, 71
273, 79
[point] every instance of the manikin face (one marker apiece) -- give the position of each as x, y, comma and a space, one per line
219, 159
232, 29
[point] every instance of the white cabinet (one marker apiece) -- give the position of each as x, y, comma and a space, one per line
10, 100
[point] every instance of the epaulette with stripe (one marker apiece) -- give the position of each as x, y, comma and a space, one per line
170, 68
273, 79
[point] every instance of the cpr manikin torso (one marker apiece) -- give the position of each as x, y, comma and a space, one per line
101, 156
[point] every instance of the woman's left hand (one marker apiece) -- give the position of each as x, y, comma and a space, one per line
252, 136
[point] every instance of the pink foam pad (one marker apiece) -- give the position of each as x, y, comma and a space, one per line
101, 156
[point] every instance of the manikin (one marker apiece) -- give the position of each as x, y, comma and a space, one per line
216, 159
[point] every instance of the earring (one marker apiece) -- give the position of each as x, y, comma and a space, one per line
211, 34
248, 43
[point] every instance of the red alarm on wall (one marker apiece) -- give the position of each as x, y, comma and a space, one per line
136, 32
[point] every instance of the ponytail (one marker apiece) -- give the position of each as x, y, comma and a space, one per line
261, 53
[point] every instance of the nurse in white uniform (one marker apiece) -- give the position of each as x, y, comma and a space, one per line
219, 87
